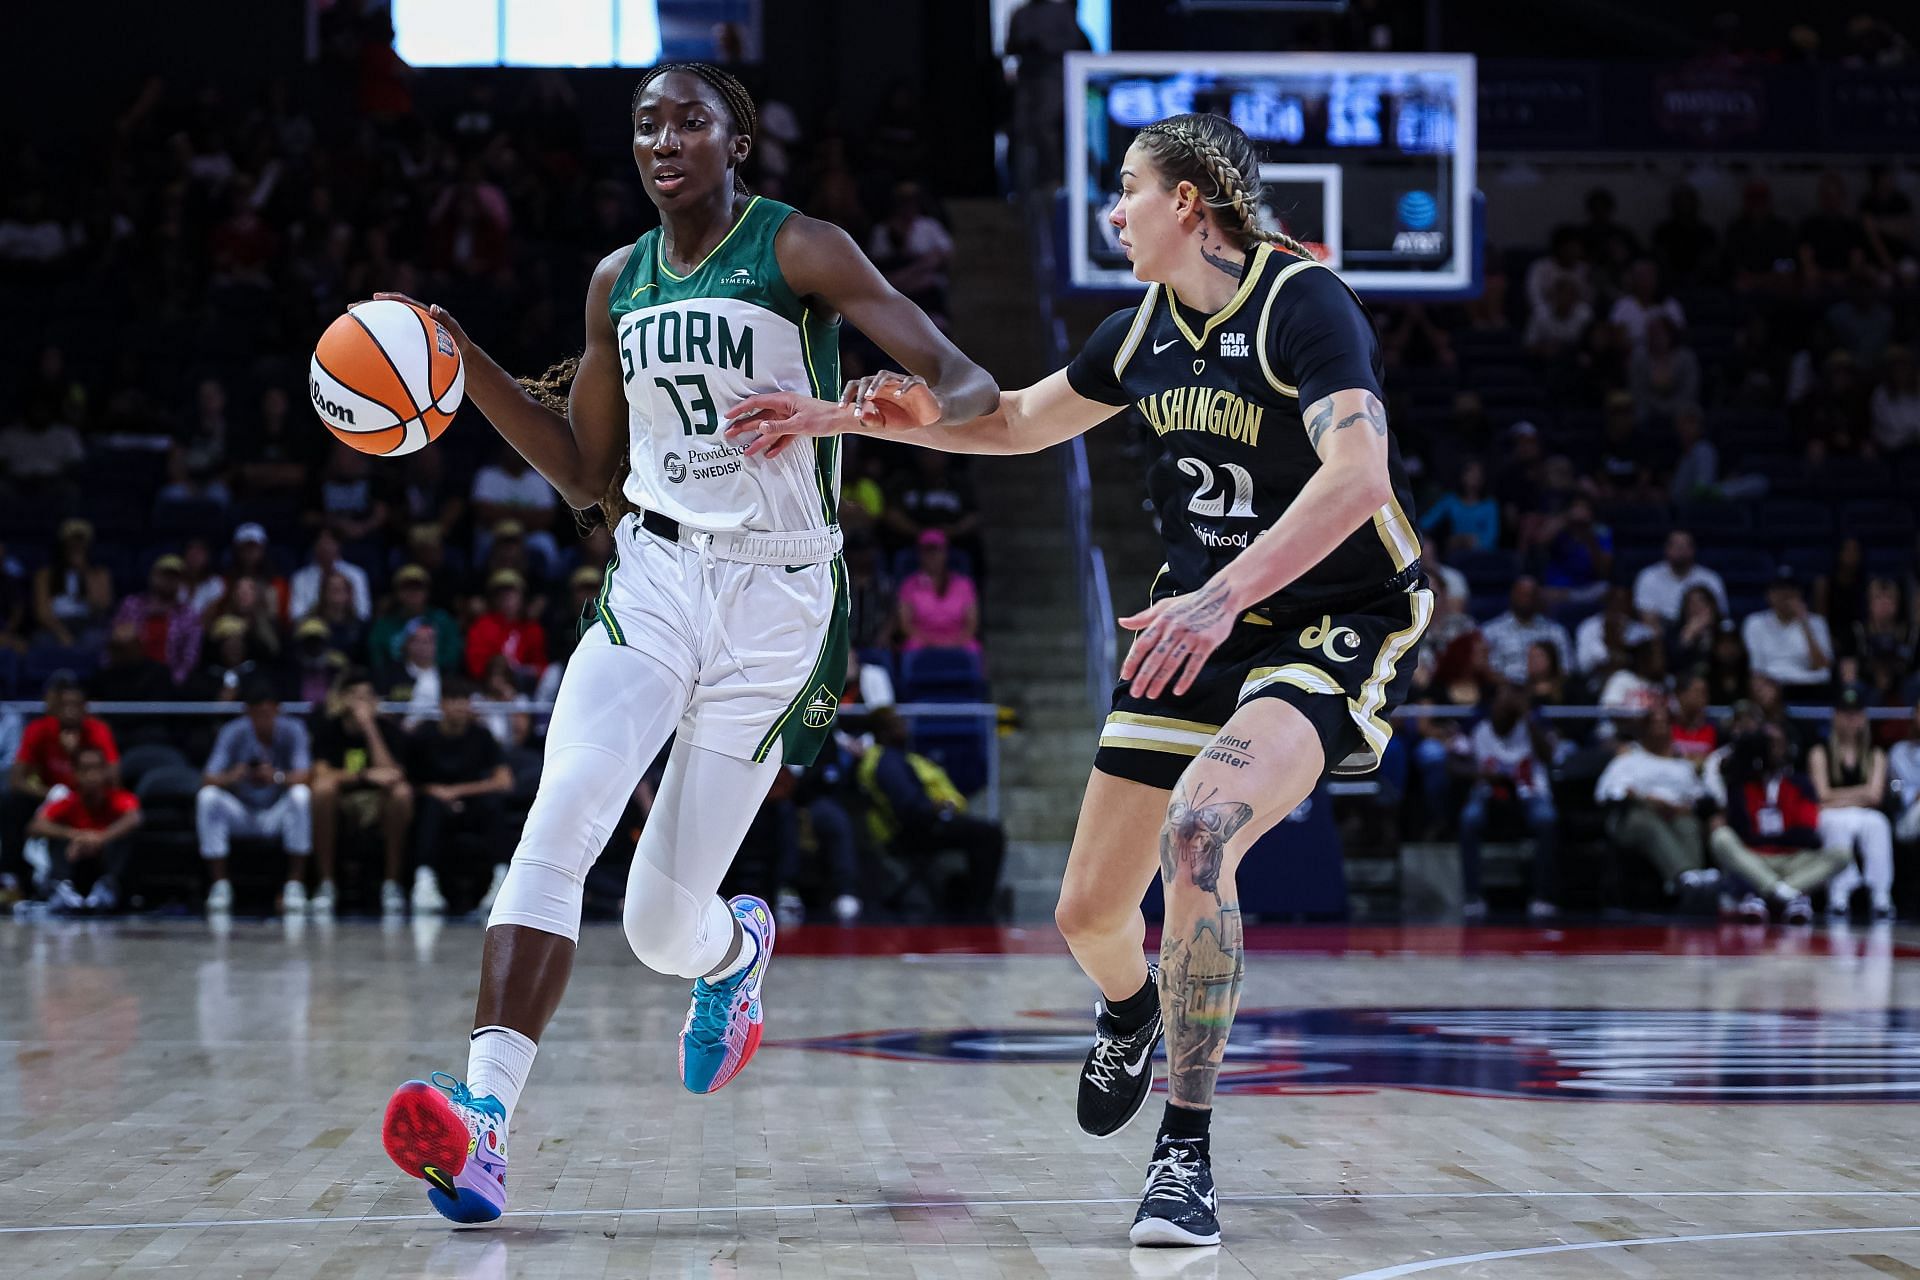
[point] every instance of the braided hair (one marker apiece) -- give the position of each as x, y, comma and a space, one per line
746, 116
1214, 155
552, 387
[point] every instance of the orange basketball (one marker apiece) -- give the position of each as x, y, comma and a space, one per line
386, 377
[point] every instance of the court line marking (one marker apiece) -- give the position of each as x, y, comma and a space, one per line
864, 1206
1461, 1260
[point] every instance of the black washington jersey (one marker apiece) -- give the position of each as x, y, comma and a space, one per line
1224, 394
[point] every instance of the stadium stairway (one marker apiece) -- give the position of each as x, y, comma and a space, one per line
1035, 647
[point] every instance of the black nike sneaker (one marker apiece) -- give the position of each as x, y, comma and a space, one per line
1117, 1078
1178, 1208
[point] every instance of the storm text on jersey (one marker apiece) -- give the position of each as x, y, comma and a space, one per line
672, 336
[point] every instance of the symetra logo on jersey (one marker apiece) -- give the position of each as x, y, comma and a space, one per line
1221, 413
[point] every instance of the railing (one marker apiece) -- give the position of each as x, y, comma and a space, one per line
1089, 562
986, 712
1625, 713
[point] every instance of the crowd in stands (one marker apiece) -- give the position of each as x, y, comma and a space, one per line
1659, 477
174, 526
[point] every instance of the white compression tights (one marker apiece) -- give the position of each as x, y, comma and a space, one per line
615, 709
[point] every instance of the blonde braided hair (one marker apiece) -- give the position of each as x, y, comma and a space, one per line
1212, 152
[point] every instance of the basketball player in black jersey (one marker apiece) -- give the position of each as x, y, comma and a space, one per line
1279, 632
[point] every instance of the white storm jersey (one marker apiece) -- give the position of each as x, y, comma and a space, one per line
691, 347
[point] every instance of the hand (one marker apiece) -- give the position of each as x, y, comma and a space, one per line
769, 421
892, 401
442, 793
439, 313
384, 775
1176, 638
261, 772
84, 846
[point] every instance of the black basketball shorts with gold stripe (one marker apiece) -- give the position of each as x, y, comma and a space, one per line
1344, 670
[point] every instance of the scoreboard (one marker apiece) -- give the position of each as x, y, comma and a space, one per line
1368, 157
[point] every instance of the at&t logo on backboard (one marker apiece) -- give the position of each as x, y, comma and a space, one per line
1418, 214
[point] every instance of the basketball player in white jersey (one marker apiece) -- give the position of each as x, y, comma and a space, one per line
721, 621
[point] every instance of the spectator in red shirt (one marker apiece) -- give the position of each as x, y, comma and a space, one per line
506, 630
1694, 737
169, 625
45, 761
1770, 839
89, 826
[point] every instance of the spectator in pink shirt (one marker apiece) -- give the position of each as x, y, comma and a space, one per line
939, 608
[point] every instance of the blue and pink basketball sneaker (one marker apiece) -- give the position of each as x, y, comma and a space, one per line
724, 1021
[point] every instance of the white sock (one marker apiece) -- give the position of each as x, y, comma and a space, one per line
749, 952
498, 1060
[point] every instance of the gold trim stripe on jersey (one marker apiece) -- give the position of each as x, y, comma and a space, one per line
1300, 675
1266, 314
1396, 534
1136, 333
1373, 694
1157, 733
1255, 265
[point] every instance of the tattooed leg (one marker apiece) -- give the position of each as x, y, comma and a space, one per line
1268, 753
1202, 953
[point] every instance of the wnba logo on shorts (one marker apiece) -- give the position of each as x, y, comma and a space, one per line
820, 711
675, 466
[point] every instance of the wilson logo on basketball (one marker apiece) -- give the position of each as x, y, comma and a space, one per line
327, 408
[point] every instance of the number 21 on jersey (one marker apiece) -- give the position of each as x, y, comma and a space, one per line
1201, 504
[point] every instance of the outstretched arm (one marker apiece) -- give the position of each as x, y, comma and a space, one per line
1026, 421
821, 261
1058, 407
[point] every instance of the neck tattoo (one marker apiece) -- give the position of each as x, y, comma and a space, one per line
1235, 269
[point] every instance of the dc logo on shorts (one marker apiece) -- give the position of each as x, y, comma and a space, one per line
675, 467
820, 711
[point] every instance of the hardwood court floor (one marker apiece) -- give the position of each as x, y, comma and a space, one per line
1495, 1103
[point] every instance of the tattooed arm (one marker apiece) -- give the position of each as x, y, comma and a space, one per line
1348, 429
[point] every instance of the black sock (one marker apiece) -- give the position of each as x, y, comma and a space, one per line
1186, 1124
1137, 1010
